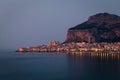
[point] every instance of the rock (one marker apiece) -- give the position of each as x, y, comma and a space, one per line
102, 27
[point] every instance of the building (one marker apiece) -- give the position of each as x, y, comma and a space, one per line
54, 43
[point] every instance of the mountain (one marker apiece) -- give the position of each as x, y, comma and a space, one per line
102, 27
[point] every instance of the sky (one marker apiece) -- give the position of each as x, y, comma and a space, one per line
26, 23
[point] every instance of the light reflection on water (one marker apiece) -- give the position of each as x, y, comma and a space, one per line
94, 66
104, 56
59, 66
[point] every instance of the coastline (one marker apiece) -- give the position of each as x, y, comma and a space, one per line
73, 47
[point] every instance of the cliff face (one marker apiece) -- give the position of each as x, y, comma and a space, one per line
102, 27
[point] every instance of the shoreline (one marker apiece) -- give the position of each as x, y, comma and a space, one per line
55, 46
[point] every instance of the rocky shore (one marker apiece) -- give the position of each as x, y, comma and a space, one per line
55, 46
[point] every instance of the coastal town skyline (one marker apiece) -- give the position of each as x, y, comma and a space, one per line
29, 23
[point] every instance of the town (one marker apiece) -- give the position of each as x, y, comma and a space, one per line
56, 46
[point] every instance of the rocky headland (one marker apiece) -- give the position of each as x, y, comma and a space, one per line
102, 27
100, 33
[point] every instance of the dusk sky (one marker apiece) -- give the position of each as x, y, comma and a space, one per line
36, 22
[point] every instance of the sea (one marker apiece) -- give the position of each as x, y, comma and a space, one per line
58, 66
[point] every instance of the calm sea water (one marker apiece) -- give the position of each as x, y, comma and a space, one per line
57, 66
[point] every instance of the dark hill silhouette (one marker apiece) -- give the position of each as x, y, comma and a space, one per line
102, 27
